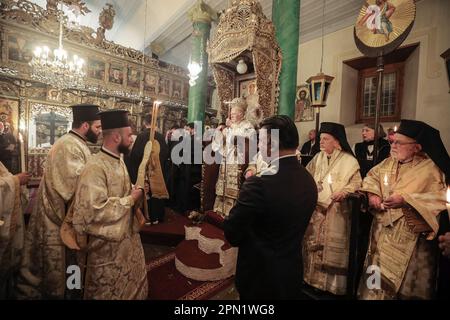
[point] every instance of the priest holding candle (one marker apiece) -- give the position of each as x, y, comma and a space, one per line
407, 219
327, 240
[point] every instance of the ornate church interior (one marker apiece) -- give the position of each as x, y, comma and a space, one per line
111, 111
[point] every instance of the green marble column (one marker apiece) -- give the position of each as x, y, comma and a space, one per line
286, 18
201, 15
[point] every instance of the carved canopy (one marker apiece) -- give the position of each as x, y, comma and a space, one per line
244, 30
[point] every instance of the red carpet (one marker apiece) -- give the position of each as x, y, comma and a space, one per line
166, 283
168, 233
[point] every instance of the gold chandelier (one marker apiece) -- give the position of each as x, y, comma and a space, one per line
57, 70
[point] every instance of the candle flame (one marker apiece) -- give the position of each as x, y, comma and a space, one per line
395, 128
448, 194
385, 179
329, 179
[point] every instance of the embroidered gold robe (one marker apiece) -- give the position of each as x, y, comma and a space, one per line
327, 239
13, 199
102, 213
43, 269
406, 259
231, 169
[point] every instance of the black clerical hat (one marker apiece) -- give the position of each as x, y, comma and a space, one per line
430, 140
85, 112
337, 130
113, 119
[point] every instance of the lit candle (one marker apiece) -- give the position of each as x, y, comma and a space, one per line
395, 128
22, 154
386, 187
448, 202
330, 182
386, 195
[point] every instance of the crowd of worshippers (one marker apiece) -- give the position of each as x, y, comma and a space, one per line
291, 222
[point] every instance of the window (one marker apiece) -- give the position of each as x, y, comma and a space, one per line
390, 98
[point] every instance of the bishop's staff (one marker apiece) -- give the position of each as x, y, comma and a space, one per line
150, 167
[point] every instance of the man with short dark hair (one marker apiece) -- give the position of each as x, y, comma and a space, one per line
190, 172
270, 217
43, 270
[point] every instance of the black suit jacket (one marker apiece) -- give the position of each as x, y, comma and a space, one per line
268, 223
307, 150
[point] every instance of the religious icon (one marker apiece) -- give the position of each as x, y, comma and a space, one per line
133, 78
150, 82
19, 49
96, 69
381, 22
377, 18
303, 109
54, 94
164, 86
9, 114
116, 74
247, 88
176, 89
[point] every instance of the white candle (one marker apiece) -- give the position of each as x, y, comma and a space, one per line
395, 128
448, 202
386, 187
386, 195
22, 154
330, 182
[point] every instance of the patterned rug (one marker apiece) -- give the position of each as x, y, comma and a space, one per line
166, 283
168, 233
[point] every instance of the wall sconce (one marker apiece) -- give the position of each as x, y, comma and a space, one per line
241, 67
194, 70
319, 86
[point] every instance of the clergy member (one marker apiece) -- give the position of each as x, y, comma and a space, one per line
406, 194
103, 216
12, 227
229, 179
43, 269
327, 240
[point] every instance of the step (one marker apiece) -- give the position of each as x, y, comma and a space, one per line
195, 264
189, 253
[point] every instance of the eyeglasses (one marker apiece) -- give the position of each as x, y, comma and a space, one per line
401, 143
